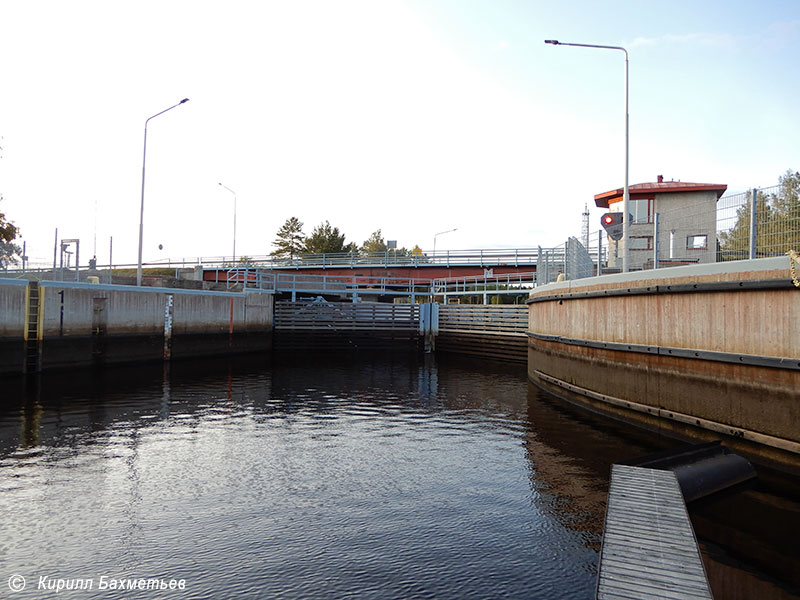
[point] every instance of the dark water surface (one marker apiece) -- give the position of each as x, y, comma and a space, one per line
384, 478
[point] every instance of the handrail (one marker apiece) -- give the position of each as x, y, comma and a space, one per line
447, 258
249, 277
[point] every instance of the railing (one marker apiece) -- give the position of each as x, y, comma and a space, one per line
369, 316
250, 278
496, 319
447, 258
326, 284
505, 283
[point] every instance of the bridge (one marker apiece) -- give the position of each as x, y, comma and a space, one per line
390, 264
358, 286
454, 272
484, 272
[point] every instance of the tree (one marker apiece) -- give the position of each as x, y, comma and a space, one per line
9, 251
374, 243
325, 239
787, 211
289, 241
777, 222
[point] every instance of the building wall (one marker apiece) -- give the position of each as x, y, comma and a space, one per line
681, 214
684, 214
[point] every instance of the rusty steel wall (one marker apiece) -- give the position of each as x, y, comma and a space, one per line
714, 347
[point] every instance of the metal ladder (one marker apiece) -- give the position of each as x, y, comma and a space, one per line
32, 330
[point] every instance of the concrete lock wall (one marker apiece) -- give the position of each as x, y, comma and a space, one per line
12, 307
13, 294
710, 347
82, 324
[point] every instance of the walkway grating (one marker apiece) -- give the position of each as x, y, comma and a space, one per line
649, 548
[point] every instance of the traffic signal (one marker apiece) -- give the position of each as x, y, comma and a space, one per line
612, 222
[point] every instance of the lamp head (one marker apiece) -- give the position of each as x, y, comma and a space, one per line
554, 42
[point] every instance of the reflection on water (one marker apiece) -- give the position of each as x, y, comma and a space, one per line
368, 479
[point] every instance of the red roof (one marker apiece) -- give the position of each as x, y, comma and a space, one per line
648, 190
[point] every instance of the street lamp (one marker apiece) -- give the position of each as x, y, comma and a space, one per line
625, 196
234, 219
141, 209
437, 235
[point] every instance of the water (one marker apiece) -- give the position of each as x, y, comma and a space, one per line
384, 478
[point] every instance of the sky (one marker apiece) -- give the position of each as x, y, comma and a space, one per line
409, 116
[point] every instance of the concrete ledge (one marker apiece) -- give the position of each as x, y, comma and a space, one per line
761, 268
135, 289
18, 282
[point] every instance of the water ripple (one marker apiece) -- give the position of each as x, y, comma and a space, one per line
373, 483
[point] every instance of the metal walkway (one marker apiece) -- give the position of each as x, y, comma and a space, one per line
649, 548
355, 285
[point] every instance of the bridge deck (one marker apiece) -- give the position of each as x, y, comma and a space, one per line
649, 548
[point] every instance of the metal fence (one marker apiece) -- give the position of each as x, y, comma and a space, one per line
575, 259
486, 257
501, 284
734, 227
770, 226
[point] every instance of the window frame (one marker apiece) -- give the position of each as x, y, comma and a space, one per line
649, 245
697, 235
650, 200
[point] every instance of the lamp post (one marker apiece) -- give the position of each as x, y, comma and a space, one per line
625, 196
234, 219
437, 235
141, 209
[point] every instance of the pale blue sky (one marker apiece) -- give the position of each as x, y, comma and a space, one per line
410, 116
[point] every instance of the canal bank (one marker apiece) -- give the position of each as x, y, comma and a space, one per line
50, 324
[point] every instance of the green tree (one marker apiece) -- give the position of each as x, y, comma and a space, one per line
735, 243
325, 239
374, 243
9, 251
777, 222
786, 204
290, 240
